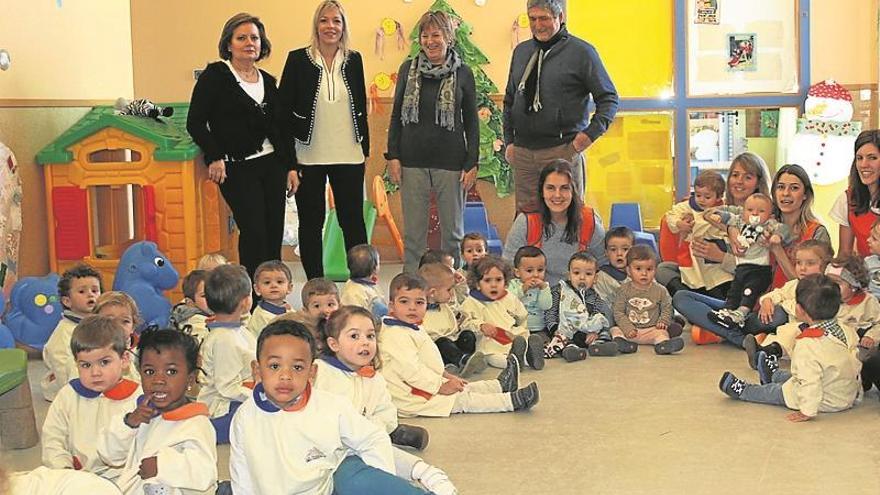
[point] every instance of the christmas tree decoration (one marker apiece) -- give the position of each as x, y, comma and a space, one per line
825, 136
493, 166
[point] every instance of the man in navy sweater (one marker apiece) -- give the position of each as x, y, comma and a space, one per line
552, 77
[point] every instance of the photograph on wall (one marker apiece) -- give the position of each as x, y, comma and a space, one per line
741, 52
707, 12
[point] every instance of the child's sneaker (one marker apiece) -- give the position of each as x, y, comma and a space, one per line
731, 385
471, 364
768, 365
433, 479
751, 346
518, 348
410, 436
535, 352
555, 346
509, 376
603, 348
669, 346
525, 398
572, 353
624, 346
727, 318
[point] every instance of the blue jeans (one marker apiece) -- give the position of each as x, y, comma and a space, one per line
770, 393
222, 423
355, 477
755, 326
695, 308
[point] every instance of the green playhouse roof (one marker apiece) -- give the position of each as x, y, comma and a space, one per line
169, 135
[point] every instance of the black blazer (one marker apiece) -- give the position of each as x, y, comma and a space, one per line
227, 124
298, 96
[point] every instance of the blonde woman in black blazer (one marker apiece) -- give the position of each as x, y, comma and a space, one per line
323, 111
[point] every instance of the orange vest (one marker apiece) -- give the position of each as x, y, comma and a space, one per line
535, 229
860, 225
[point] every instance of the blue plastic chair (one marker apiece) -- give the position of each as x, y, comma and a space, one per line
627, 215
477, 220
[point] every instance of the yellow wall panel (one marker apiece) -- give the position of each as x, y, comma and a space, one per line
634, 39
633, 165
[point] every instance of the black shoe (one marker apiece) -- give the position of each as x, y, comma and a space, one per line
680, 320
624, 346
525, 398
518, 348
535, 352
669, 346
603, 349
410, 436
572, 353
731, 385
471, 364
768, 365
509, 376
751, 346
773, 348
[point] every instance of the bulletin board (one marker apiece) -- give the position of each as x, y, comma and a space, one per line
742, 46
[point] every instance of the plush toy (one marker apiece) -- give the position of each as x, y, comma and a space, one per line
34, 310
142, 108
143, 274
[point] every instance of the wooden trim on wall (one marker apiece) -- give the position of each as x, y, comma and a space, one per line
40, 103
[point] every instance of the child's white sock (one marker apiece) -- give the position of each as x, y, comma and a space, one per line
433, 479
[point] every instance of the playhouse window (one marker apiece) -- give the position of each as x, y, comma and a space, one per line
116, 218
114, 156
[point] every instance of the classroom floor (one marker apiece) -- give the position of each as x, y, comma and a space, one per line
636, 424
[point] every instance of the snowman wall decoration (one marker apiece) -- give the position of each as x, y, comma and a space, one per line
823, 144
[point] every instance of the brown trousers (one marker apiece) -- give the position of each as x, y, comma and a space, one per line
527, 165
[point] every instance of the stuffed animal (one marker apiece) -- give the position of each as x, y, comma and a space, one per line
143, 274
34, 311
142, 108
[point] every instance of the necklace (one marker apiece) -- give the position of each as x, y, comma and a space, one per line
249, 75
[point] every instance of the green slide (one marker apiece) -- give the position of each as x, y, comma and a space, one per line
335, 267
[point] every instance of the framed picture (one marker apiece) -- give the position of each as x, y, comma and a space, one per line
742, 52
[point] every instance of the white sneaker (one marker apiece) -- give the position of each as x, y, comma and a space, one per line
433, 479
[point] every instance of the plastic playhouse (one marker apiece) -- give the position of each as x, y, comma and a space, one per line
113, 180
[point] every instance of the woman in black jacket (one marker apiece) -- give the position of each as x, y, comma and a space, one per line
323, 106
231, 118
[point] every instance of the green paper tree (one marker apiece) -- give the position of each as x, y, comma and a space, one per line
493, 166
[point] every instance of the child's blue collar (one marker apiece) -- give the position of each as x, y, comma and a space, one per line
336, 363
479, 296
433, 306
692, 202
394, 321
364, 281
614, 272
223, 324
262, 400
81, 389
70, 315
272, 308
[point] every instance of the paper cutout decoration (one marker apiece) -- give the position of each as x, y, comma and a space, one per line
742, 52
825, 136
521, 22
828, 101
769, 123
381, 82
707, 12
388, 27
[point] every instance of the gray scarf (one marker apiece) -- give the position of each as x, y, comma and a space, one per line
421, 67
